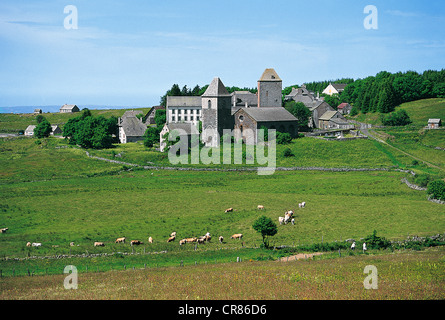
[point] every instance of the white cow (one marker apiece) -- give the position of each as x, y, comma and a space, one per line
281, 220
36, 244
301, 205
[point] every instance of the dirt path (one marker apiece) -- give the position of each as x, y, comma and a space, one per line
299, 256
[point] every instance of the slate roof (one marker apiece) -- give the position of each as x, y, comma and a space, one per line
133, 127
327, 115
216, 89
269, 114
433, 120
270, 75
68, 107
339, 86
187, 127
184, 101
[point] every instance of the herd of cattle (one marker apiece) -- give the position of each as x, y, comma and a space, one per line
288, 217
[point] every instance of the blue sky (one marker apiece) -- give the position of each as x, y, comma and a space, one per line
128, 53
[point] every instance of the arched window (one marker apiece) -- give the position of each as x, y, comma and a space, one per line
209, 104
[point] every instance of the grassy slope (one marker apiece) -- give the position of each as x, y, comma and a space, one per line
407, 276
413, 138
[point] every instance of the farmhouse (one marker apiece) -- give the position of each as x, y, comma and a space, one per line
69, 108
434, 123
301, 95
334, 88
131, 128
344, 108
29, 131
150, 116
37, 111
333, 120
181, 129
216, 109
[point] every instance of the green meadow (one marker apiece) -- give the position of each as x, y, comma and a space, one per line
52, 193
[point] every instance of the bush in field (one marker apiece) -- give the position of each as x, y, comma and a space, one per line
375, 242
288, 153
151, 136
436, 189
396, 118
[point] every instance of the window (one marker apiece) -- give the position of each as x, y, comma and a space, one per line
173, 118
191, 118
209, 104
241, 118
197, 118
185, 118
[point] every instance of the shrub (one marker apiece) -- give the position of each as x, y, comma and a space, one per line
436, 189
288, 153
375, 242
283, 138
396, 118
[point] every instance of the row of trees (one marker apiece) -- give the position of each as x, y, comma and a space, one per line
175, 90
384, 91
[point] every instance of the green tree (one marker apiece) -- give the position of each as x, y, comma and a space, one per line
375, 242
43, 129
160, 118
301, 112
151, 136
436, 189
283, 137
387, 98
266, 227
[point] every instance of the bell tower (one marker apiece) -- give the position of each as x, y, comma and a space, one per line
270, 88
216, 113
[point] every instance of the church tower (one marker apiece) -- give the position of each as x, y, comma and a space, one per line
270, 89
216, 113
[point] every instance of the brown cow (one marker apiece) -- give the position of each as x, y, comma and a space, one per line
99, 244
135, 242
260, 207
229, 210
237, 236
171, 239
150, 240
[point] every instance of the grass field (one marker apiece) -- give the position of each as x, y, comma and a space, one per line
408, 275
54, 194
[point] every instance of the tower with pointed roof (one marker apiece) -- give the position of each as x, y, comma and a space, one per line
269, 89
216, 112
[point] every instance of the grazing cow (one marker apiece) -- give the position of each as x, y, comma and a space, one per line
281, 220
99, 244
221, 239
36, 244
190, 240
260, 207
293, 221
119, 240
4, 230
71, 244
301, 205
201, 239
28, 244
289, 213
183, 241
150, 240
171, 239
173, 234
135, 242
237, 236
229, 210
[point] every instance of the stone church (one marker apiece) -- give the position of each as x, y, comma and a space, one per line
217, 110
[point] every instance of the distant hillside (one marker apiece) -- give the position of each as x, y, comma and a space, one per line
419, 111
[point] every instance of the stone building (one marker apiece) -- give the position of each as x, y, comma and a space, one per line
249, 120
69, 108
334, 88
131, 128
217, 109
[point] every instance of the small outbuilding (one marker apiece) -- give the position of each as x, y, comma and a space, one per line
434, 123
